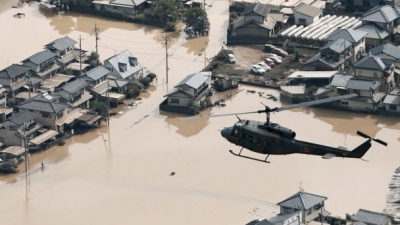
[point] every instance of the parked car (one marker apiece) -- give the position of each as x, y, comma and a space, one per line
264, 66
231, 58
277, 60
273, 55
268, 47
256, 69
280, 52
269, 62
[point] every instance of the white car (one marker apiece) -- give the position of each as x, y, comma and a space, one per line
257, 69
277, 60
231, 58
264, 66
273, 55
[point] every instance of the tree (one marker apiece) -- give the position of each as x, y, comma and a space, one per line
93, 59
99, 106
197, 19
145, 81
152, 76
166, 11
134, 89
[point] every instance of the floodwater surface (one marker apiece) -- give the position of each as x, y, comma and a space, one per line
121, 173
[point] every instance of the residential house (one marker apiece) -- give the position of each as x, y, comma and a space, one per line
47, 110
293, 218
369, 99
305, 14
74, 94
13, 78
22, 124
42, 64
124, 66
118, 86
66, 52
254, 22
370, 218
292, 93
360, 5
96, 79
189, 93
55, 82
374, 68
308, 206
125, 6
376, 35
392, 103
335, 88
333, 56
384, 16
355, 37
386, 51
262, 221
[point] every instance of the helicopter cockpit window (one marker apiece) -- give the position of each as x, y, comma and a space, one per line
235, 132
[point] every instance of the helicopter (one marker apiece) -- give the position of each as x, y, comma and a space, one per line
269, 138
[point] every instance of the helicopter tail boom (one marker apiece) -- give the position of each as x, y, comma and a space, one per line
360, 151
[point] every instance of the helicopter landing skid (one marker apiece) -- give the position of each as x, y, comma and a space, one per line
247, 157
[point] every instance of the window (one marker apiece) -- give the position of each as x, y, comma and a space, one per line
174, 100
132, 61
122, 67
46, 115
376, 74
60, 114
392, 107
287, 210
302, 21
345, 103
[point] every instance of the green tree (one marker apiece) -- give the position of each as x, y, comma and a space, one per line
166, 11
93, 59
134, 88
197, 19
145, 81
99, 106
152, 76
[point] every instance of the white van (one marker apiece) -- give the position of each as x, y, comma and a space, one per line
231, 58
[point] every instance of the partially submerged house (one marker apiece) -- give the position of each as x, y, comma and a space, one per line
125, 6
13, 78
356, 39
124, 66
305, 14
370, 218
42, 64
74, 94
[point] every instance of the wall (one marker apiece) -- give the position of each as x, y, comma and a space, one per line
31, 65
10, 138
357, 106
254, 16
252, 30
309, 20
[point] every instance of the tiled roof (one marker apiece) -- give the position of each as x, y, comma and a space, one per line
352, 36
97, 73
195, 80
39, 103
381, 14
117, 83
22, 117
258, 8
41, 57
74, 86
339, 46
373, 31
302, 200
284, 217
307, 10
61, 44
392, 99
360, 84
341, 80
13, 71
370, 217
370, 62
387, 49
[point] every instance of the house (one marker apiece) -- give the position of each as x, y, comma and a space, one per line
359, 5
370, 218
118, 86
384, 16
333, 56
55, 82
355, 37
96, 79
126, 6
308, 206
305, 14
188, 94
262, 221
13, 78
22, 124
293, 218
254, 22
292, 93
386, 51
47, 110
74, 94
376, 35
124, 66
66, 52
374, 68
42, 64
335, 88
369, 99
392, 103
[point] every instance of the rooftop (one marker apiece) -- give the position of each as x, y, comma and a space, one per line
302, 200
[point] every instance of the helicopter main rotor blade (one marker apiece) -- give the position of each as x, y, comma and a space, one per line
316, 102
216, 115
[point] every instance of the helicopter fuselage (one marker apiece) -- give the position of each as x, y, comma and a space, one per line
273, 139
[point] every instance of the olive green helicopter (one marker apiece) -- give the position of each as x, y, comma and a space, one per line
269, 138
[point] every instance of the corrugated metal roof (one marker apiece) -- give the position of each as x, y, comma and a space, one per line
373, 31
381, 14
302, 200
132, 64
298, 89
360, 84
312, 74
370, 217
41, 57
350, 35
258, 8
13, 71
370, 62
387, 49
391, 99
97, 73
61, 43
341, 80
339, 46
195, 80
307, 10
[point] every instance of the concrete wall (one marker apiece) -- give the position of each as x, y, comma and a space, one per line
309, 20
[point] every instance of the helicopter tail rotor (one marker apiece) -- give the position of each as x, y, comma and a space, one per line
376, 140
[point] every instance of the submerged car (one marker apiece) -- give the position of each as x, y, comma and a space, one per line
256, 69
231, 58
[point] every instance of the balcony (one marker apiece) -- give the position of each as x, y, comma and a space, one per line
31, 125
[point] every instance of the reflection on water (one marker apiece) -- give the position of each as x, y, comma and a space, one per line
186, 128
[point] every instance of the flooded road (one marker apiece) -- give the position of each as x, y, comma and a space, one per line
121, 174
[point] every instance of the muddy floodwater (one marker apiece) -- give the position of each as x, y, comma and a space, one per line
120, 174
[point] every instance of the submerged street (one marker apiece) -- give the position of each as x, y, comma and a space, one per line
121, 173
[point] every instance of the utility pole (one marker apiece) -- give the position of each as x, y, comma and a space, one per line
204, 18
166, 58
108, 103
96, 32
80, 55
